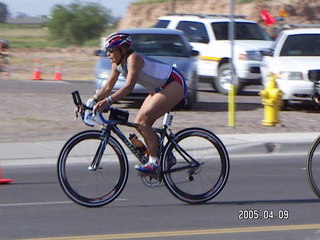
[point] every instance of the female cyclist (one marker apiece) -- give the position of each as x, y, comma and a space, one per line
166, 89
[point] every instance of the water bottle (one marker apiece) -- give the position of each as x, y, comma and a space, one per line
138, 143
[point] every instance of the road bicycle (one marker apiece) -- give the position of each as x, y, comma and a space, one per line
313, 159
93, 166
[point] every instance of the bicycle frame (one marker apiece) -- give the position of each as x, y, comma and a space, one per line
109, 126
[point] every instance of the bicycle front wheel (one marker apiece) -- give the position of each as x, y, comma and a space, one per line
201, 166
85, 180
313, 167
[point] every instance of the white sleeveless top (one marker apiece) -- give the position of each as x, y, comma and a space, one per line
153, 74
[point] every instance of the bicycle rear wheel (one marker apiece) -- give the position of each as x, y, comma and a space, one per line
200, 183
313, 167
83, 182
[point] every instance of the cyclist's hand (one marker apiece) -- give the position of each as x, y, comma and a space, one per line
79, 109
101, 106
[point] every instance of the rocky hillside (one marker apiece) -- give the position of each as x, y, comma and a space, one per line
299, 11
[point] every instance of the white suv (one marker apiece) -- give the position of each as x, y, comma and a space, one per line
295, 61
208, 34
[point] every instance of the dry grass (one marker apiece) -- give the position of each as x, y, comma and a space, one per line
31, 43
25, 32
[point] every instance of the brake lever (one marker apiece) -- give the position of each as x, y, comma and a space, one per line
76, 117
76, 112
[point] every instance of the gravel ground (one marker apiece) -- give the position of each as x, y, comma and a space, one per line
35, 116
31, 116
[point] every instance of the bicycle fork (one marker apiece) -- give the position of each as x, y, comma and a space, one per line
99, 153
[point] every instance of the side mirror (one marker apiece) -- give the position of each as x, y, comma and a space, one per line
194, 53
267, 52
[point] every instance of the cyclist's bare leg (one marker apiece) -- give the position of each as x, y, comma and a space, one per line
154, 106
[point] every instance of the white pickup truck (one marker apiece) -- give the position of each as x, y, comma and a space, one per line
295, 60
208, 34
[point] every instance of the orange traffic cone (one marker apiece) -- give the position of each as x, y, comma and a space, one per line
57, 72
37, 70
3, 180
6, 75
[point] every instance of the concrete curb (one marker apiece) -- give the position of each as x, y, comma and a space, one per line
47, 152
270, 143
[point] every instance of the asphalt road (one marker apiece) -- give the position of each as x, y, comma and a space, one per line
34, 207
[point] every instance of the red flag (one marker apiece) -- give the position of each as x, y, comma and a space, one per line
267, 18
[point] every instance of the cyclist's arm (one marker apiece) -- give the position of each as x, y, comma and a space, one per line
107, 88
135, 64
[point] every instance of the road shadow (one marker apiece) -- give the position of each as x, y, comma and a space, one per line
307, 107
199, 106
244, 92
223, 106
204, 106
249, 92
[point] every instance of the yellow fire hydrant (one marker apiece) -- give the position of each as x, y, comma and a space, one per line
272, 101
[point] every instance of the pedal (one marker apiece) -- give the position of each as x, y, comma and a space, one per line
150, 180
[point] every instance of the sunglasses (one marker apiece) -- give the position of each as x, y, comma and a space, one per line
110, 50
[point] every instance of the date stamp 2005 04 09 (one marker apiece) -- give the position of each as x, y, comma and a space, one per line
255, 214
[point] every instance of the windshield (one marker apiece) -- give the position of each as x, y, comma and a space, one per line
243, 31
301, 45
160, 45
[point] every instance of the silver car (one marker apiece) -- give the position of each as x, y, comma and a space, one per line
166, 45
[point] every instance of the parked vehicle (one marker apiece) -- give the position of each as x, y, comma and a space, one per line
294, 59
208, 34
166, 45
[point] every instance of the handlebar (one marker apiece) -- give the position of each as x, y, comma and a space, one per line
115, 113
78, 102
77, 99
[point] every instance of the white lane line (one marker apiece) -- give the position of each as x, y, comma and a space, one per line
43, 203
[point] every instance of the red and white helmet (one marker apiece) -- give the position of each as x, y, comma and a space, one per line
117, 39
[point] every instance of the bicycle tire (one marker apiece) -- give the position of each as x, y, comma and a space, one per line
209, 178
313, 166
87, 187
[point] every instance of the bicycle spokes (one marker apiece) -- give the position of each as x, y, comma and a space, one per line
201, 168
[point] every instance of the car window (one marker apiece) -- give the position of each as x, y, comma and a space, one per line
195, 31
162, 24
301, 45
160, 45
243, 31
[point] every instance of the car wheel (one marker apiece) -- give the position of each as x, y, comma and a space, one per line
223, 83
